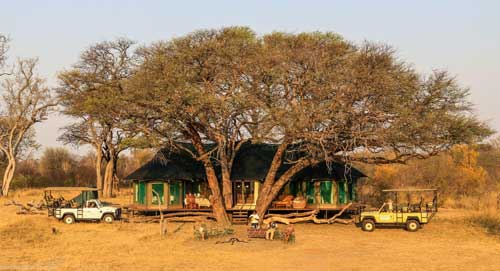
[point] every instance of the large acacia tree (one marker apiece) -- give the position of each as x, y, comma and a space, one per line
91, 93
333, 101
317, 96
196, 89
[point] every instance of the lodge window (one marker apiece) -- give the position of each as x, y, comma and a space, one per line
243, 192
157, 193
199, 189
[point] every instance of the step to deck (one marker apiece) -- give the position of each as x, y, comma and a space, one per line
242, 221
239, 217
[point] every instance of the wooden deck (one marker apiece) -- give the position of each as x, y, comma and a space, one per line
239, 207
152, 208
239, 214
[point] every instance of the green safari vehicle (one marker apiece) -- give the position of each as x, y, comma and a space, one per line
411, 216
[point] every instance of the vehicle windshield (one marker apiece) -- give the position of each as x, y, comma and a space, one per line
94, 204
99, 203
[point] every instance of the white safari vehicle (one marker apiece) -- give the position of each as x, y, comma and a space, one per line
84, 207
92, 210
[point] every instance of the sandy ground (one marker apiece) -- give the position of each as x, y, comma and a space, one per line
27, 243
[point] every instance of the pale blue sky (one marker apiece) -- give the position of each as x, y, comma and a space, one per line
462, 37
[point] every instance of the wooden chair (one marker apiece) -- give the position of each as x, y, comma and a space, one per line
286, 202
191, 202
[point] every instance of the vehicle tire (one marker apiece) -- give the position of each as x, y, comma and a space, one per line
69, 219
412, 225
368, 225
108, 218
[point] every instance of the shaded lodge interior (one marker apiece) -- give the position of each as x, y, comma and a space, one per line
177, 181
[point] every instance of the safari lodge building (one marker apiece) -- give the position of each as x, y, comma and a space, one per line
177, 180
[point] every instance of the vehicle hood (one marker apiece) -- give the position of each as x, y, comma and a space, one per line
365, 213
109, 208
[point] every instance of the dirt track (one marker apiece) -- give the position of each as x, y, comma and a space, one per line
27, 243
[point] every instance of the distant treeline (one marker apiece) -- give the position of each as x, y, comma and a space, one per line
466, 176
60, 167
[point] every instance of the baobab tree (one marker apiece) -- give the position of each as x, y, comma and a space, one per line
26, 101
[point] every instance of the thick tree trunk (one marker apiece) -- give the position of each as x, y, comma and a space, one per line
98, 171
107, 178
114, 176
217, 200
264, 201
8, 176
271, 173
270, 179
109, 174
227, 190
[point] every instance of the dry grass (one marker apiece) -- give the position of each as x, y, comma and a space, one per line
488, 220
487, 201
26, 231
448, 243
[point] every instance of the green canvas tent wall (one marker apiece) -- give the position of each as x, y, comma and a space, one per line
251, 163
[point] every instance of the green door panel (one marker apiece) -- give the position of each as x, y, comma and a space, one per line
351, 187
158, 189
342, 193
141, 193
326, 192
175, 193
310, 192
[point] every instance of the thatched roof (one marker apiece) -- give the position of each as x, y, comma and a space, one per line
252, 162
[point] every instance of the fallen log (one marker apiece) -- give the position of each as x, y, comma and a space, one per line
344, 221
37, 205
312, 217
25, 212
13, 202
287, 221
232, 240
188, 219
31, 208
313, 212
188, 214
334, 218
156, 219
